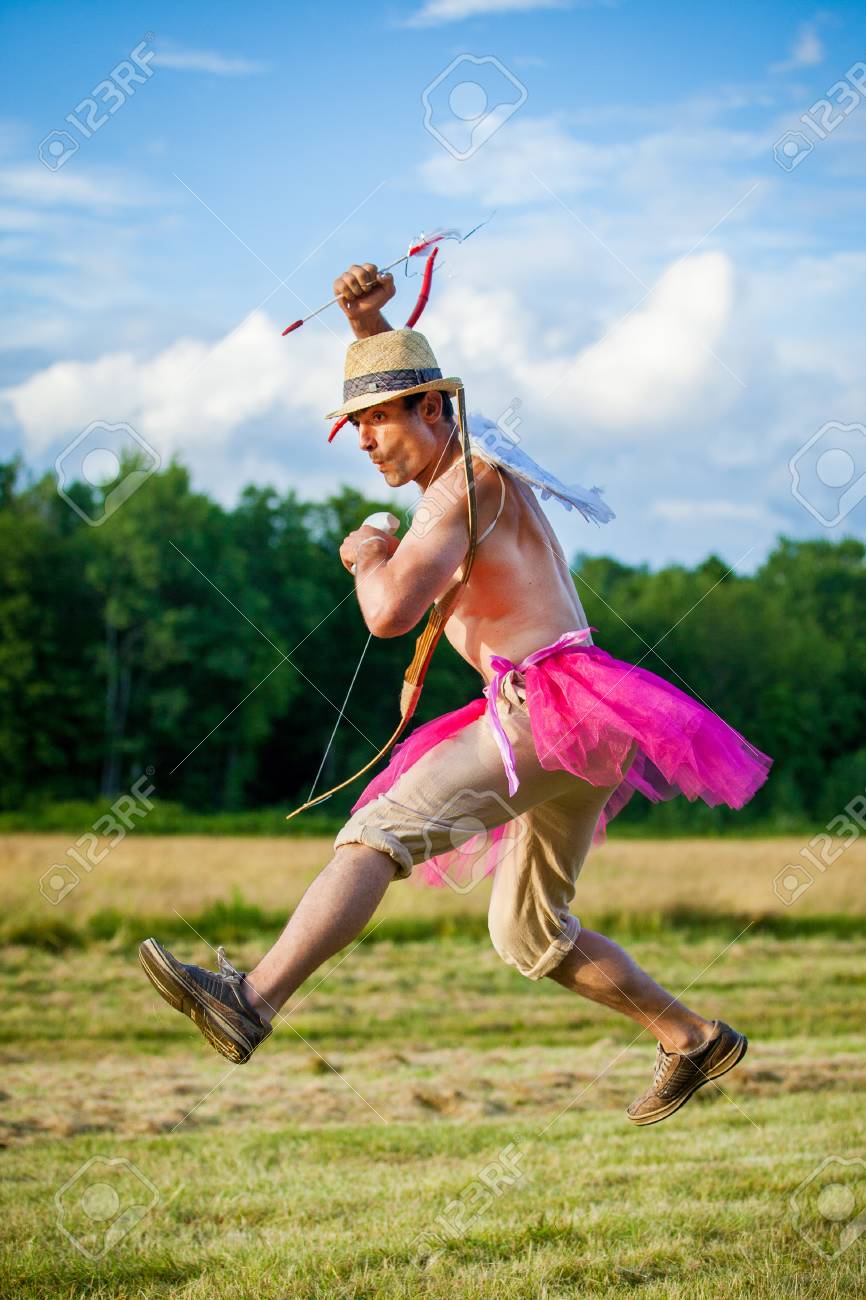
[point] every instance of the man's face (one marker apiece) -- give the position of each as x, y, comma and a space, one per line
400, 443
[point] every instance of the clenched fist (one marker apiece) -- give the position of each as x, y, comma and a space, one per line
387, 545
362, 293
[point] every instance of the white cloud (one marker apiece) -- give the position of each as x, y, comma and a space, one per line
191, 397
711, 470
807, 51
657, 363
436, 12
678, 511
33, 183
200, 400
221, 65
521, 310
499, 174
648, 369
80, 264
20, 219
651, 194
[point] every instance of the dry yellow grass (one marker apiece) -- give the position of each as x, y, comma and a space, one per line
153, 875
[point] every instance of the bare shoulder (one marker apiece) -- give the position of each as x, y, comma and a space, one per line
488, 478
448, 492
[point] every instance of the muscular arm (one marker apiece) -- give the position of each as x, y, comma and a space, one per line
395, 592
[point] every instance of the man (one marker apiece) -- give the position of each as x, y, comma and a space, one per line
516, 761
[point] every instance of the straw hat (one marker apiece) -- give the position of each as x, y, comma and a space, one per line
389, 365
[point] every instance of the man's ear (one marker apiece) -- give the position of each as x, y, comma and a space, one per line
431, 407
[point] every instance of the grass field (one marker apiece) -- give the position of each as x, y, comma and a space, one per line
426, 1122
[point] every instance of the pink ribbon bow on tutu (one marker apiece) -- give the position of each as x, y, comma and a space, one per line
502, 666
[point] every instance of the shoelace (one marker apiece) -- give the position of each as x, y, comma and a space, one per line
226, 969
665, 1059
662, 1060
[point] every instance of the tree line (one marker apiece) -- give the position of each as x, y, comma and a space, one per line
213, 647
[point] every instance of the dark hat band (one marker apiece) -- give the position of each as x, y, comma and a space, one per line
385, 381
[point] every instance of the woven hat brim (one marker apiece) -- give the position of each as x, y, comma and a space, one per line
365, 400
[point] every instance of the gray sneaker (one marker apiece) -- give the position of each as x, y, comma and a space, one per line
214, 1002
678, 1075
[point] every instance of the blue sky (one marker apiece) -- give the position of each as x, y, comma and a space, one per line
678, 312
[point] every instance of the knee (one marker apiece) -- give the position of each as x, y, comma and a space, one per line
362, 835
535, 945
354, 858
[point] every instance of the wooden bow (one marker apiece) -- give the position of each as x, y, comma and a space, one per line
413, 678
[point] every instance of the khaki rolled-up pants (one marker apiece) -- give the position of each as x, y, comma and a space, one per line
459, 789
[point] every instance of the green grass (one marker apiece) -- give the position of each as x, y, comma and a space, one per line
673, 820
71, 816
237, 920
696, 1211
406, 1067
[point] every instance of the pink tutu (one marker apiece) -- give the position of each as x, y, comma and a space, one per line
585, 709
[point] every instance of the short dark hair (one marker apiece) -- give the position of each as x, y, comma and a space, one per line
412, 400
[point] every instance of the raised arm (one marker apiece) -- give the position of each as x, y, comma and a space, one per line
362, 293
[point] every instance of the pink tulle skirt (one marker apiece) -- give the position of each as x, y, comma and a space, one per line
585, 710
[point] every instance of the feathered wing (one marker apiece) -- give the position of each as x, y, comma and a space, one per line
494, 444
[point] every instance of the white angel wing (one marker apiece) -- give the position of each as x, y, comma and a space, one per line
497, 445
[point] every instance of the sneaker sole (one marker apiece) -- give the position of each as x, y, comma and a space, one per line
183, 995
734, 1056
